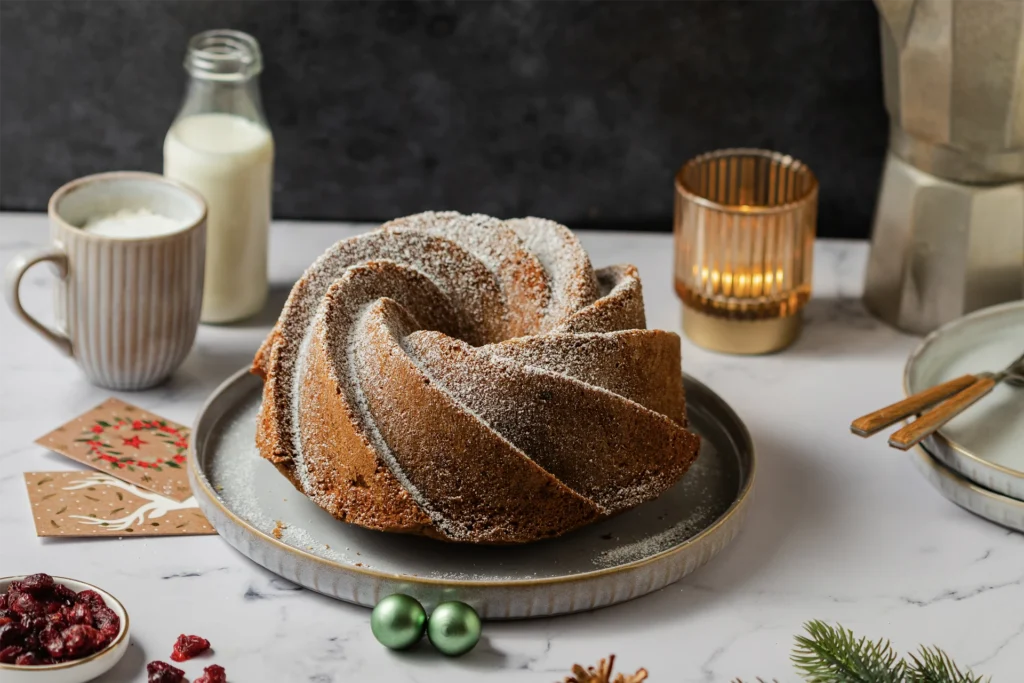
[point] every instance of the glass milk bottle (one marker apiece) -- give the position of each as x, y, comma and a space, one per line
220, 145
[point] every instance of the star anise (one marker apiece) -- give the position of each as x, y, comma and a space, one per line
603, 674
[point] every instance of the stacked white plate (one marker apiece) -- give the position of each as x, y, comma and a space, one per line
977, 459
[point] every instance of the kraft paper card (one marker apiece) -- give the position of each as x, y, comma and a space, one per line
94, 504
129, 443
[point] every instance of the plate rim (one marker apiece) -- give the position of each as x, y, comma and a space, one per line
961, 481
941, 440
204, 490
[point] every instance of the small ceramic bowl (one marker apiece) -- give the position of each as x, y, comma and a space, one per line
79, 670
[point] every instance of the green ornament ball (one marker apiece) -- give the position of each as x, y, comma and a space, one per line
454, 628
398, 621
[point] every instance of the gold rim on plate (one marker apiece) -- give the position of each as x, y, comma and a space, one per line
941, 439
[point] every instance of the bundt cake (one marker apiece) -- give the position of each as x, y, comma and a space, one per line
473, 380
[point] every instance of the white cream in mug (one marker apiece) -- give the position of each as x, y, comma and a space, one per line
132, 224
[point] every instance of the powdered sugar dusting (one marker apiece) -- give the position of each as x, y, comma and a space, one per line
477, 281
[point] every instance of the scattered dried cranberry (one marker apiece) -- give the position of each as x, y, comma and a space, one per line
36, 584
213, 674
162, 672
187, 647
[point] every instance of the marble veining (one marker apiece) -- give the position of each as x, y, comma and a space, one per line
840, 528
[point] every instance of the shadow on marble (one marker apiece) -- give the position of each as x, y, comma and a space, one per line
206, 367
484, 657
844, 327
276, 297
130, 667
791, 490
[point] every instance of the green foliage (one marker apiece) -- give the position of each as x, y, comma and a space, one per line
932, 665
830, 654
833, 654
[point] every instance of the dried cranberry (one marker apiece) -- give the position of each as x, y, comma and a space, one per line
162, 672
53, 642
77, 614
24, 603
57, 619
91, 599
106, 621
64, 594
187, 647
9, 654
11, 634
28, 659
31, 622
80, 640
36, 584
31, 642
3, 601
212, 674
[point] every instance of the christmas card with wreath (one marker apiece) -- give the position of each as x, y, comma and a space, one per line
128, 443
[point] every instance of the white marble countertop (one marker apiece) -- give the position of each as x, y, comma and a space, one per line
841, 529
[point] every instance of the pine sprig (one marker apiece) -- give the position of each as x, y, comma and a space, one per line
834, 655
932, 665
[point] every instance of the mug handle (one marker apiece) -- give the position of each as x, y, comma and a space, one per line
16, 270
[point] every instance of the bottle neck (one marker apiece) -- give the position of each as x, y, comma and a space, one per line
239, 98
223, 67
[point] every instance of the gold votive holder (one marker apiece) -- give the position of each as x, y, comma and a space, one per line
744, 247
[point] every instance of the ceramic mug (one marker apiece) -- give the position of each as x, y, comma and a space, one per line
127, 309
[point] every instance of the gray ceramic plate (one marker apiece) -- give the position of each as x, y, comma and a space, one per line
988, 504
985, 443
636, 553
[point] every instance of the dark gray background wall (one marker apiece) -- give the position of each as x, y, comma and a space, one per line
578, 111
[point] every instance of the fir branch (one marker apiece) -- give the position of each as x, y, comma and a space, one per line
932, 665
834, 655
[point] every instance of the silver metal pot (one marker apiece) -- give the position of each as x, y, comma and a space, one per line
948, 234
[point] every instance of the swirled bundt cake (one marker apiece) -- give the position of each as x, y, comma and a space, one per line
473, 380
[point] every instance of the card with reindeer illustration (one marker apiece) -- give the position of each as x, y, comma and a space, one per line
85, 503
129, 443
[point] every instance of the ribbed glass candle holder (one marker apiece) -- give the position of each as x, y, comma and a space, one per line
744, 237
